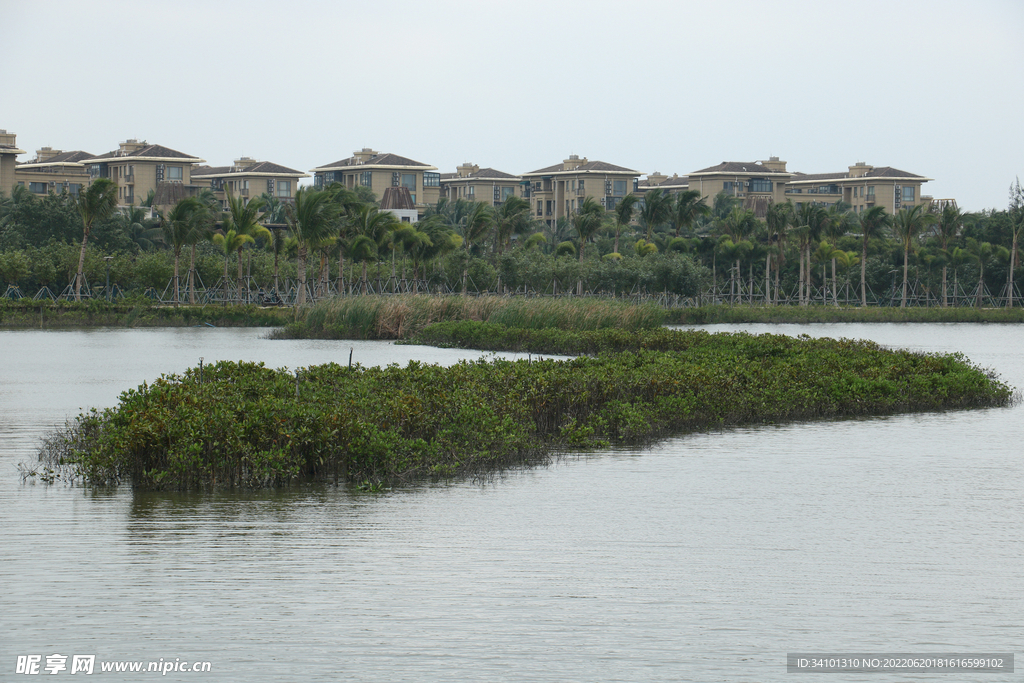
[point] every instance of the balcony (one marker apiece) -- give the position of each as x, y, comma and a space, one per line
869, 199
128, 178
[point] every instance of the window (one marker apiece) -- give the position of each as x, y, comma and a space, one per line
507, 192
405, 219
471, 189
619, 188
413, 195
284, 188
730, 187
174, 173
760, 185
38, 188
540, 209
908, 193
73, 189
431, 179
871, 190
366, 178
409, 181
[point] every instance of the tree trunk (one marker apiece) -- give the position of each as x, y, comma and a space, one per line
1013, 263
617, 229
300, 296
800, 282
191, 276
864, 274
177, 298
835, 284
906, 270
945, 300
80, 275
239, 275
768, 279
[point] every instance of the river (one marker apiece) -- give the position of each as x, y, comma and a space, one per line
705, 558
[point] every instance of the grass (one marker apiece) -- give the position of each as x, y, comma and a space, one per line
399, 317
704, 315
24, 314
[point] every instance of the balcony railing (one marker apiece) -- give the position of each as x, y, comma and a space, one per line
128, 178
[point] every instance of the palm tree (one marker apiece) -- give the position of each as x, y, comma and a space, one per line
624, 211
840, 221
475, 226
908, 224
688, 207
982, 254
739, 225
950, 222
586, 221
375, 225
873, 225
512, 217
183, 225
243, 218
779, 218
95, 203
657, 209
311, 218
137, 225
228, 242
1016, 211
810, 222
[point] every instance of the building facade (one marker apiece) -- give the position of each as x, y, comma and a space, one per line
379, 171
861, 186
557, 191
56, 171
477, 184
248, 178
8, 160
139, 168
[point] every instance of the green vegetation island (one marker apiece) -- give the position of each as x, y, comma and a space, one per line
245, 425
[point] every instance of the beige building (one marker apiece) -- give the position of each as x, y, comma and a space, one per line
8, 160
248, 178
862, 186
138, 168
758, 183
673, 184
56, 171
557, 191
477, 184
379, 171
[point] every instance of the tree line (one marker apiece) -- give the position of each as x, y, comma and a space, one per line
660, 242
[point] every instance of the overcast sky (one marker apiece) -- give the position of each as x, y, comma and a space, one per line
934, 88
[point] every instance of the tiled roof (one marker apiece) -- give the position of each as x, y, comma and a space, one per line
386, 159
883, 172
396, 198
482, 174
261, 167
149, 151
677, 181
591, 166
738, 167
75, 157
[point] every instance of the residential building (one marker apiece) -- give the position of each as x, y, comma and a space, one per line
54, 170
557, 191
862, 186
8, 160
672, 185
248, 178
139, 168
477, 184
379, 171
758, 183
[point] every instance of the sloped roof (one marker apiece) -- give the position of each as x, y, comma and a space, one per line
590, 166
75, 157
396, 198
482, 174
385, 159
882, 172
149, 152
738, 167
677, 181
259, 168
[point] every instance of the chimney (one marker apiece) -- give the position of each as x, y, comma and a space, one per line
364, 155
45, 154
859, 169
467, 169
573, 162
131, 145
774, 165
243, 163
655, 179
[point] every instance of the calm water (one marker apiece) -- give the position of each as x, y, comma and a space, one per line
706, 558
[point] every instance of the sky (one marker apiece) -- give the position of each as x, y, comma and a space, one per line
932, 87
